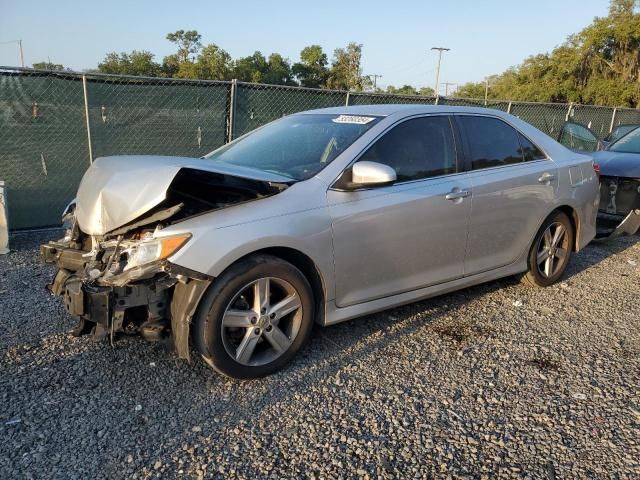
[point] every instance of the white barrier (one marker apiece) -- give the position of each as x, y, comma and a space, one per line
4, 222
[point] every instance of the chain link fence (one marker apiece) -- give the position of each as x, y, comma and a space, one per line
54, 124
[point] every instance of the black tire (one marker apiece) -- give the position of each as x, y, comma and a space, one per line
540, 276
211, 339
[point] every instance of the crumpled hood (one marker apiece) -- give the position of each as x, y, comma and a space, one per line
116, 190
618, 164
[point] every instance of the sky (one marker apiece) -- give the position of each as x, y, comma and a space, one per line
485, 36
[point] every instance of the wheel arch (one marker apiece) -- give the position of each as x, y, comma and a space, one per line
306, 265
574, 218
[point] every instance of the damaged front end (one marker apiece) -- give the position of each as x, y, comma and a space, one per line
619, 212
121, 281
125, 285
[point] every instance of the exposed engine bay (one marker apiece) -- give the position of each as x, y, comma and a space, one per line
619, 211
121, 282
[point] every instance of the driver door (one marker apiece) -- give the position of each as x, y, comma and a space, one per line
409, 235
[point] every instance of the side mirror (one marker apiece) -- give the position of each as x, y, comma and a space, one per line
371, 174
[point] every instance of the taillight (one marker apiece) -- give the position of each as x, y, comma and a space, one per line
596, 168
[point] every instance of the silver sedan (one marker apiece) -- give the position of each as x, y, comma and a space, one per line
320, 216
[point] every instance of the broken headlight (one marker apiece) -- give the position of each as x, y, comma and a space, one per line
154, 249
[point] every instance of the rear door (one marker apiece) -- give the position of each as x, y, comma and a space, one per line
513, 184
402, 237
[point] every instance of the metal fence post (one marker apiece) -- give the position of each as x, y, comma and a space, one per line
347, 102
232, 108
4, 221
566, 118
613, 120
509, 107
86, 117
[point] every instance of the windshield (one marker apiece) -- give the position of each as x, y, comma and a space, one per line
620, 131
298, 146
630, 143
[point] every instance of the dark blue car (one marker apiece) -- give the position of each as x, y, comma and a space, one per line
619, 185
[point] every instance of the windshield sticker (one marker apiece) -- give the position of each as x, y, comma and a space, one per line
357, 119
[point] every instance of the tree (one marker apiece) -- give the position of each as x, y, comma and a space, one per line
134, 63
213, 63
599, 65
188, 43
346, 71
311, 71
427, 92
408, 90
404, 90
48, 66
278, 71
251, 68
182, 63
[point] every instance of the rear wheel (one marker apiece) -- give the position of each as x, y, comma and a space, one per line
550, 252
255, 318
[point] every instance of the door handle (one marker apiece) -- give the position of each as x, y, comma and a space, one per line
455, 194
546, 177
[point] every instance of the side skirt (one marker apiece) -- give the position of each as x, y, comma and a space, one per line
335, 314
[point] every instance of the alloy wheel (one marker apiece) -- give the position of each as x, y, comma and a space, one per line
553, 250
261, 321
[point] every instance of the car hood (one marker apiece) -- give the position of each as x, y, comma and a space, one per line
618, 164
117, 190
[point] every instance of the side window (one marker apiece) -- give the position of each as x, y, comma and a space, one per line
491, 142
578, 137
418, 148
529, 150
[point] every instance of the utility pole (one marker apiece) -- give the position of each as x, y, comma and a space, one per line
486, 90
375, 79
19, 42
440, 50
446, 87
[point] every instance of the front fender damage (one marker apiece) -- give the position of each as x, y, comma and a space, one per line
186, 297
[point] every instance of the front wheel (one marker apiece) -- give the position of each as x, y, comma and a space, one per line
550, 252
255, 317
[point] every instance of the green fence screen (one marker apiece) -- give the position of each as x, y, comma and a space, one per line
47, 141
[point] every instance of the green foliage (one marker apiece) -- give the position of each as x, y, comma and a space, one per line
48, 66
251, 68
278, 71
214, 63
599, 65
134, 63
346, 71
408, 90
311, 71
188, 43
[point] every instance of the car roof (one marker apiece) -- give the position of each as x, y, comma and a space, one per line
408, 109
549, 145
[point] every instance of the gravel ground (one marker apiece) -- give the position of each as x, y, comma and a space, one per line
496, 380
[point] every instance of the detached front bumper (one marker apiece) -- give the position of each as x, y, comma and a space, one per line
154, 300
619, 212
611, 226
